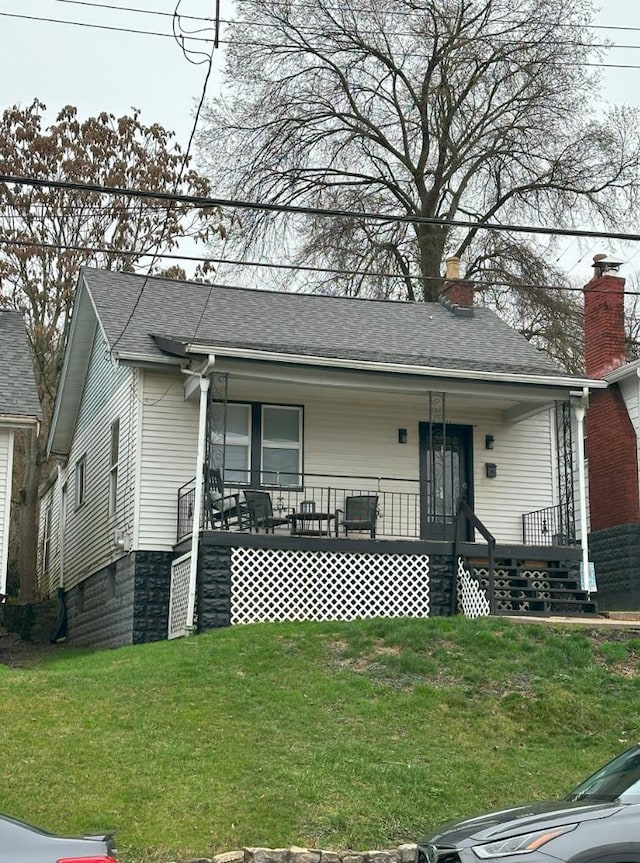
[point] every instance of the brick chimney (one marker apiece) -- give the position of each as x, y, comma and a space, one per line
457, 293
614, 498
604, 320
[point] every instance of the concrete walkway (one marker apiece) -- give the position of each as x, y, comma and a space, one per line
613, 619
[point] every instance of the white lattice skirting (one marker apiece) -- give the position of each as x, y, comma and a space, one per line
269, 585
472, 599
179, 597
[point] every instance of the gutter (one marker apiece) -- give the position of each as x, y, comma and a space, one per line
14, 421
397, 368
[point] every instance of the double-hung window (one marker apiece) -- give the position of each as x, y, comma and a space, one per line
258, 444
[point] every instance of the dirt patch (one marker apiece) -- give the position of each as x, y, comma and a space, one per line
18, 653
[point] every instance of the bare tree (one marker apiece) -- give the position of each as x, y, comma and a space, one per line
454, 109
47, 235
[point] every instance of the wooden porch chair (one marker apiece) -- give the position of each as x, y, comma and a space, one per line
260, 511
360, 513
222, 509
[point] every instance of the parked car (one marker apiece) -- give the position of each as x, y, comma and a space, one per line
597, 822
22, 843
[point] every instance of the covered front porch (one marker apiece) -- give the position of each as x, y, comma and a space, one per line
311, 440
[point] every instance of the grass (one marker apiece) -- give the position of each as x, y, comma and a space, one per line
334, 735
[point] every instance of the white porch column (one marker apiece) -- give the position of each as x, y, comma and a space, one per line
198, 501
579, 410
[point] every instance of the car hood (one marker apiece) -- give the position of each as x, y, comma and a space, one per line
509, 822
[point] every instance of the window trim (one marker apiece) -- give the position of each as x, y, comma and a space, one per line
46, 540
288, 445
114, 465
255, 468
80, 481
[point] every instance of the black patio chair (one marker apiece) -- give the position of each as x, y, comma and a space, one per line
360, 513
260, 511
223, 508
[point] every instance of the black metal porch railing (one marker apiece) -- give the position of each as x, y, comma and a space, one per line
186, 505
548, 526
398, 505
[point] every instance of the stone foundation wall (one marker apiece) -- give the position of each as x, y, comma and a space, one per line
616, 555
126, 602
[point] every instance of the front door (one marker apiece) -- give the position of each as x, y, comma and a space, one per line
445, 476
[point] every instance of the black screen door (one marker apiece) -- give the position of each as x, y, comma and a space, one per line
445, 476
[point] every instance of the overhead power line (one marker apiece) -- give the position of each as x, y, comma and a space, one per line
480, 284
115, 8
99, 26
208, 203
204, 39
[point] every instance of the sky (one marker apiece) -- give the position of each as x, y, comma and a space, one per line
112, 70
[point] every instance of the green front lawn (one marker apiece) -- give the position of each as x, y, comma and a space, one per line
334, 735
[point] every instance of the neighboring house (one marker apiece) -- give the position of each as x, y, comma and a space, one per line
613, 435
19, 409
317, 400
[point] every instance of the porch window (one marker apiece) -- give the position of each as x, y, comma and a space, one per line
281, 450
260, 444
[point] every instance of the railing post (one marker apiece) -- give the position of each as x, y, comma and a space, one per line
492, 579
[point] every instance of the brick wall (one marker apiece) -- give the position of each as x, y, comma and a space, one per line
614, 498
604, 325
613, 467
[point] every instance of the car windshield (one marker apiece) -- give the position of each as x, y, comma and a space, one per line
619, 779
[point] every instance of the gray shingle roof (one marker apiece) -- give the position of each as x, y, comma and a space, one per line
18, 393
425, 334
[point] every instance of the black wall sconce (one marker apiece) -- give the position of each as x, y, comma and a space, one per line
402, 435
489, 441
491, 470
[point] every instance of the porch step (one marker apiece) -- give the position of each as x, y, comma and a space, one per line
535, 588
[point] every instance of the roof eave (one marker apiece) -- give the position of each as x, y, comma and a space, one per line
396, 368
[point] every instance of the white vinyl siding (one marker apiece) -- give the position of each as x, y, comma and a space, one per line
167, 458
109, 393
630, 387
355, 433
47, 580
6, 463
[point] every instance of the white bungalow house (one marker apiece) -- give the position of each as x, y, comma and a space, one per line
19, 409
175, 393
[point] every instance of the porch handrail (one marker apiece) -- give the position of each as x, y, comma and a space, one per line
463, 512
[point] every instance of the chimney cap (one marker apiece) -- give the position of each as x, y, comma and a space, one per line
606, 263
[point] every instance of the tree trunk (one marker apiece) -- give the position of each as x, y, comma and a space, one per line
431, 243
28, 519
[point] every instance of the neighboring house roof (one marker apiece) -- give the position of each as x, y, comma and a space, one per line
18, 392
132, 309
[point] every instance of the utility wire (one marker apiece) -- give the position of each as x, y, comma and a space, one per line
172, 200
207, 203
138, 253
99, 26
136, 9
362, 10
217, 41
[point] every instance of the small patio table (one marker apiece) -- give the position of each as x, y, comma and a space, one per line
311, 523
